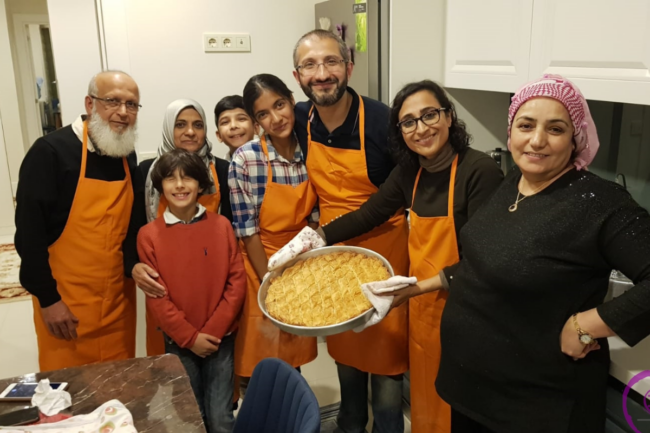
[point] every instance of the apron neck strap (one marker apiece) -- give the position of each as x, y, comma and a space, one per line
415, 187
84, 149
311, 111
452, 186
362, 125
265, 149
84, 154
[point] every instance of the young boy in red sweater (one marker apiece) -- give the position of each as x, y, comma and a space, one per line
199, 263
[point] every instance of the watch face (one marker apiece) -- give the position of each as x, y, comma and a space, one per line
585, 339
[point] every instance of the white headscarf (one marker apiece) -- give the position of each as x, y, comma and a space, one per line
151, 195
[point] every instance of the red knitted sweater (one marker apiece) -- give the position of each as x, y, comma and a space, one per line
203, 273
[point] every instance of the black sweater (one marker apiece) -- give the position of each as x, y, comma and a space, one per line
522, 276
477, 176
47, 184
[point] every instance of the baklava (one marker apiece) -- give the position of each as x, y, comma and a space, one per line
324, 290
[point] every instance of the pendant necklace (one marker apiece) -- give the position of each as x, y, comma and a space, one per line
513, 207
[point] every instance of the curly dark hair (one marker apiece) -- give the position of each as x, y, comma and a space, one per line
189, 164
459, 138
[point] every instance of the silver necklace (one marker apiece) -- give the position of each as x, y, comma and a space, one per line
513, 207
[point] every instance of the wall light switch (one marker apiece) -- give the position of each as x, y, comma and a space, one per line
243, 43
226, 42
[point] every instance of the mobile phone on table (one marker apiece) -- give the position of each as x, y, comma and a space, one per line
25, 391
20, 417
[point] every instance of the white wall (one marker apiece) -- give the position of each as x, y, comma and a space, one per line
21, 7
8, 115
162, 48
75, 43
9, 102
6, 196
418, 52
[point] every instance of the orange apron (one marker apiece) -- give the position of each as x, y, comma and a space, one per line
340, 177
432, 247
211, 202
283, 214
87, 263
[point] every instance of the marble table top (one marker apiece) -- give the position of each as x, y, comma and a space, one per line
156, 390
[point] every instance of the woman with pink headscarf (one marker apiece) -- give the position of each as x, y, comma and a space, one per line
524, 330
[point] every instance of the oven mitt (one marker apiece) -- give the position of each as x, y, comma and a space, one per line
382, 303
304, 241
50, 401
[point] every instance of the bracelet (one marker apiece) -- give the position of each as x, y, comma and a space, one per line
585, 338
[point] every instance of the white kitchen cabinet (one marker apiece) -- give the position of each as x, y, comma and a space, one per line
603, 46
488, 44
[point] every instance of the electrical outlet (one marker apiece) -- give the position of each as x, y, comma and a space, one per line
226, 42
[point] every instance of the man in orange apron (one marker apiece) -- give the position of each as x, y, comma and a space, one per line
73, 213
345, 138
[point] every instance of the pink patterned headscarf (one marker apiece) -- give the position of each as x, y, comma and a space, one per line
563, 90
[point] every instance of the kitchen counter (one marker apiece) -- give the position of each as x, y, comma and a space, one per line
156, 390
628, 361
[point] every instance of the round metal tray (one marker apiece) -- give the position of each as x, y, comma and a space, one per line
321, 331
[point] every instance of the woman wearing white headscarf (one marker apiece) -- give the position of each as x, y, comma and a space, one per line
184, 127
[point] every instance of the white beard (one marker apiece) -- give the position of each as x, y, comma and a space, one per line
109, 142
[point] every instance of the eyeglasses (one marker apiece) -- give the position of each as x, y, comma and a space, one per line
429, 118
310, 68
114, 104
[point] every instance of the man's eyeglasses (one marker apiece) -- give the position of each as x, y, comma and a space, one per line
114, 104
310, 68
429, 118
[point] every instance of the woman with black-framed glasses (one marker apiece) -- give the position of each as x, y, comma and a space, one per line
443, 182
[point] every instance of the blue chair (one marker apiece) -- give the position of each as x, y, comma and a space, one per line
278, 400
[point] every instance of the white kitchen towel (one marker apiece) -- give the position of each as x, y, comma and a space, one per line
304, 241
382, 303
50, 401
111, 417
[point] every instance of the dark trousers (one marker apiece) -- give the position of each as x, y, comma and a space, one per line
386, 402
462, 424
212, 381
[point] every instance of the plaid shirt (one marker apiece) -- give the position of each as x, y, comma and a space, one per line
247, 181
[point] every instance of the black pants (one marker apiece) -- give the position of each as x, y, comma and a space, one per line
462, 424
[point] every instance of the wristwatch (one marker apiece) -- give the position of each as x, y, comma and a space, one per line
584, 337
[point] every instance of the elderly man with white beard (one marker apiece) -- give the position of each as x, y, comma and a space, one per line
74, 232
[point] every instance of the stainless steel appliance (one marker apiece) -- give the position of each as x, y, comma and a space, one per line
370, 76
618, 284
503, 158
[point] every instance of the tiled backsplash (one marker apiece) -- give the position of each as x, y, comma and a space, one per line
624, 134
